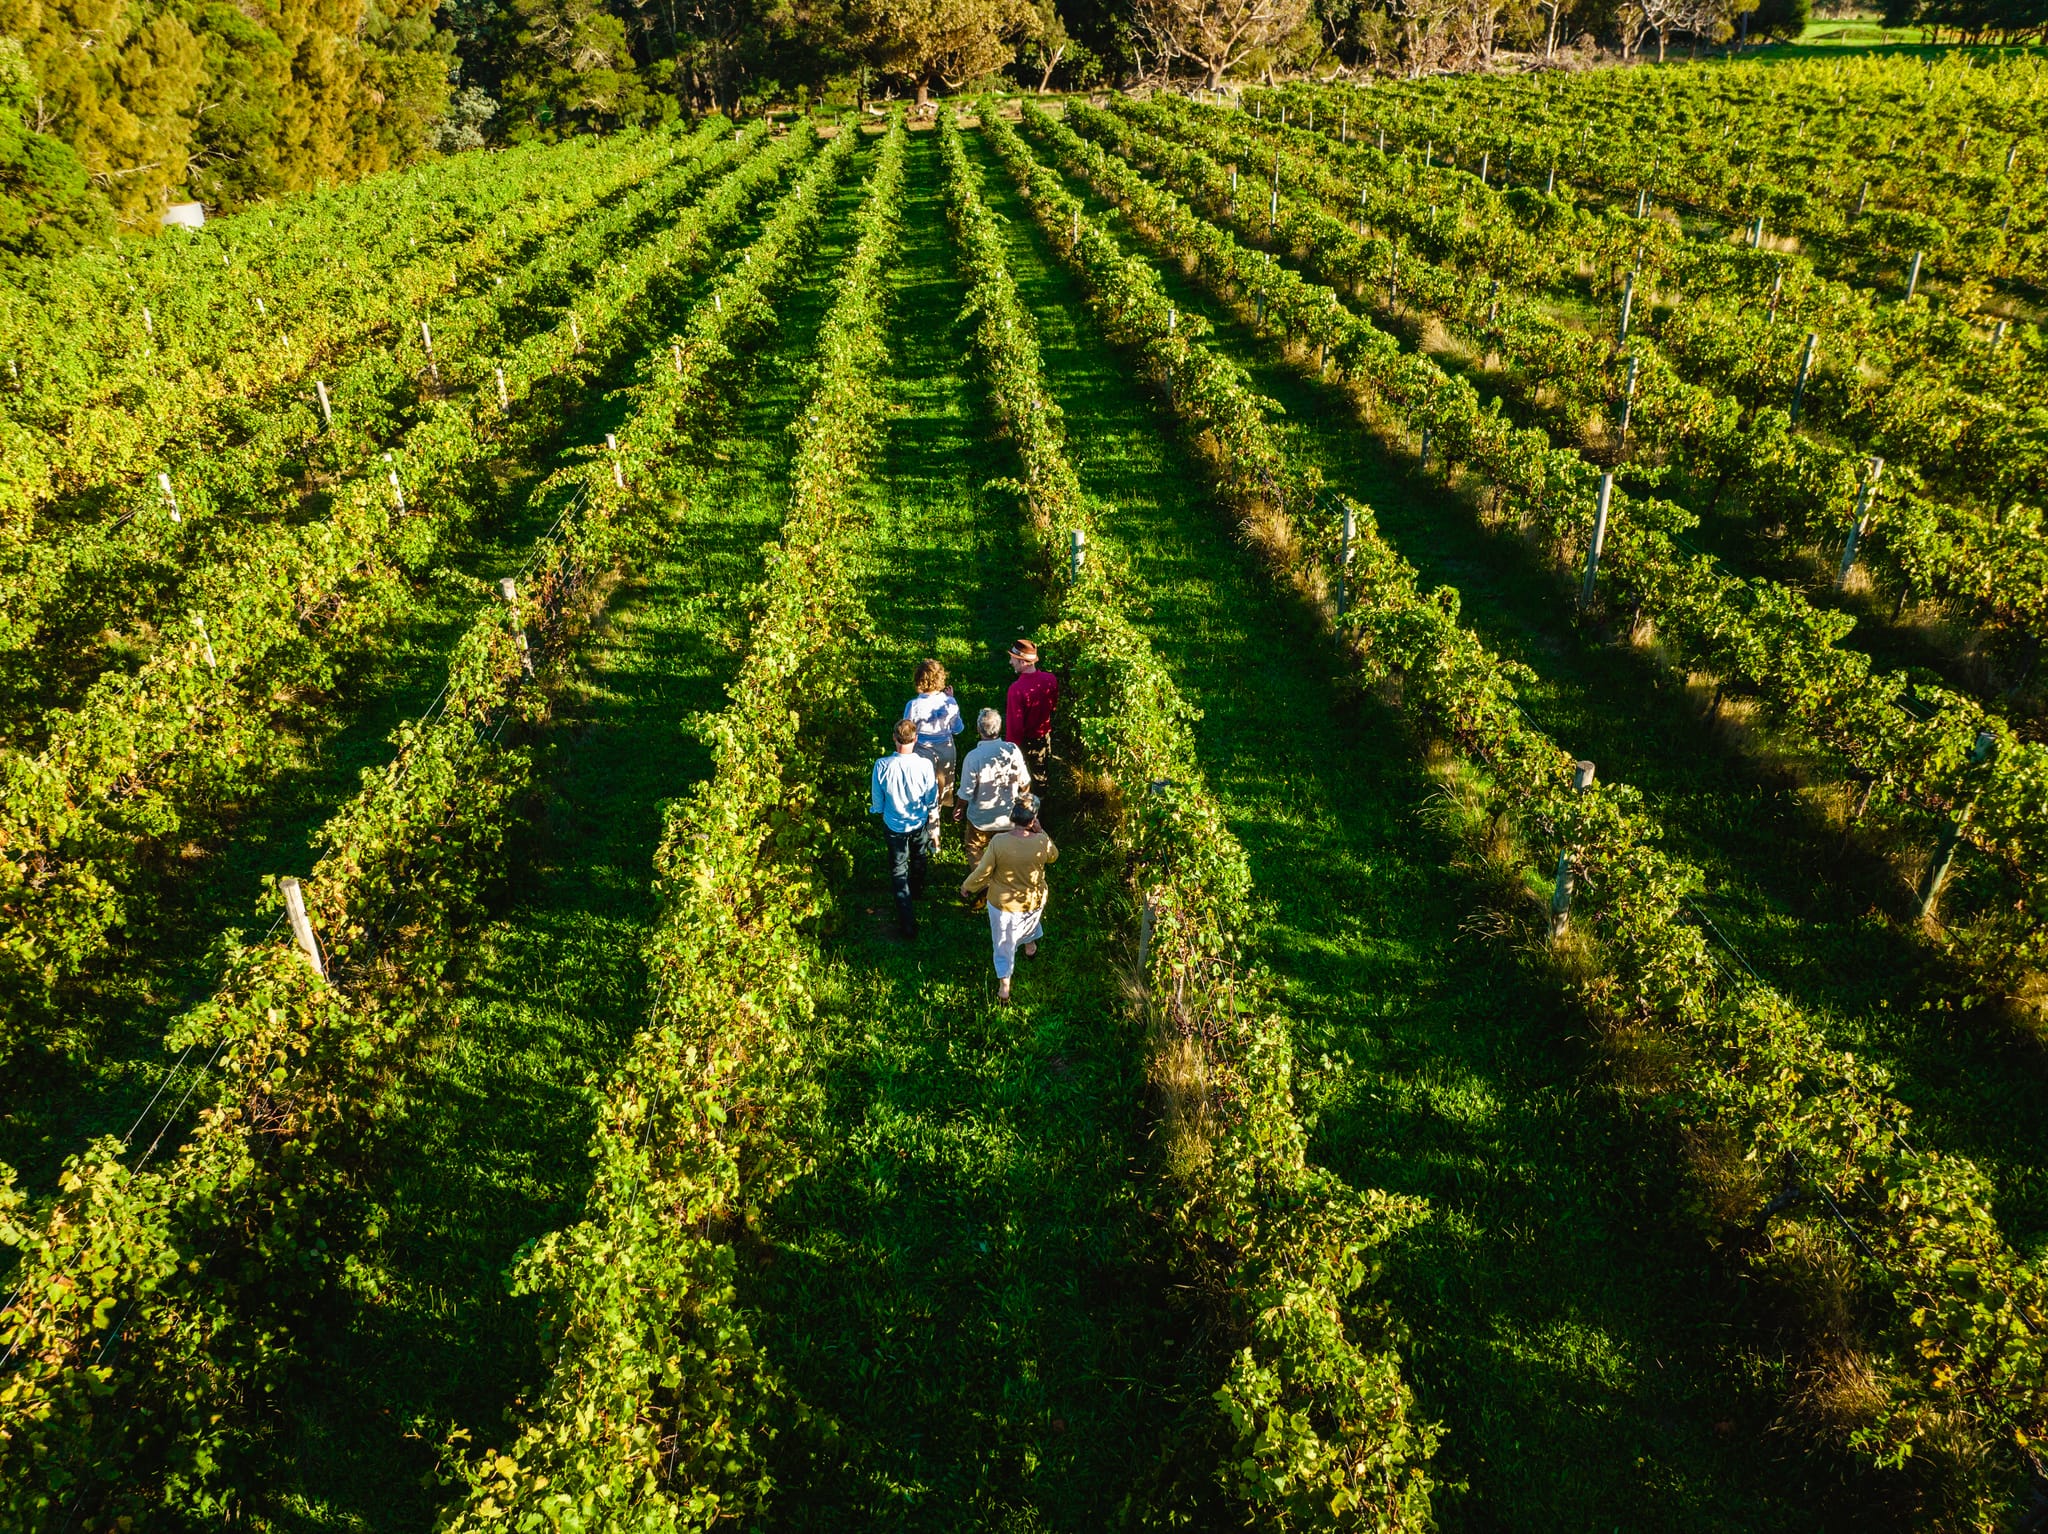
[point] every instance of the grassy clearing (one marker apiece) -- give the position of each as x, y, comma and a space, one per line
1778, 893
1593, 1370
489, 1145
962, 1293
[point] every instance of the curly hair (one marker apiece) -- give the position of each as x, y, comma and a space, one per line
931, 676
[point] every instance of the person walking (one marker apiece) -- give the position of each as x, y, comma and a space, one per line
1029, 707
1012, 869
905, 793
991, 778
937, 717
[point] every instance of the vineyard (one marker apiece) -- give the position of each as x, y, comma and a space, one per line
1540, 1022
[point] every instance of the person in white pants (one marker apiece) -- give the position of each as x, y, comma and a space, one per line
1012, 870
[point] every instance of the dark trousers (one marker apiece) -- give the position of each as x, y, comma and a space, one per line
907, 852
1037, 753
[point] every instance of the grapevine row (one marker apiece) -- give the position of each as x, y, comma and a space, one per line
1997, 573
205, 510
1936, 765
147, 752
1954, 1315
1310, 1419
99, 392
1989, 224
1947, 402
131, 1288
655, 1410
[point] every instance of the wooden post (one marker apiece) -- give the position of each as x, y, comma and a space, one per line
1383, 140
1862, 200
148, 322
1642, 201
1998, 335
1628, 300
1344, 131
1344, 557
575, 333
1805, 372
427, 340
1550, 182
164, 480
326, 410
611, 444
397, 492
1871, 472
1628, 396
1172, 319
1952, 834
1756, 234
1079, 553
1424, 463
1913, 280
675, 349
302, 927
2012, 154
205, 642
509, 589
1493, 303
1561, 897
1077, 219
1485, 158
1599, 541
1562, 886
504, 399
1777, 287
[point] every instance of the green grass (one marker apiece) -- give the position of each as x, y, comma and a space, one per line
1807, 921
487, 1145
963, 1293
1592, 1368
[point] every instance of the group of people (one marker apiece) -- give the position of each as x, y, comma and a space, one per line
993, 795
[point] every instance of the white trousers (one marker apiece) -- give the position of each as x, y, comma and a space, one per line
1008, 930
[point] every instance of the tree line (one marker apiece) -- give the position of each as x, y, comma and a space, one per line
110, 110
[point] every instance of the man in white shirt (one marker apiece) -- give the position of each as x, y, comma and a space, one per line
904, 791
991, 778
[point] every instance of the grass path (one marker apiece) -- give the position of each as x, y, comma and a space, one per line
959, 1292
1774, 884
489, 1145
1593, 1371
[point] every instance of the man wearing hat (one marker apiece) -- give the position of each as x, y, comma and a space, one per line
1029, 707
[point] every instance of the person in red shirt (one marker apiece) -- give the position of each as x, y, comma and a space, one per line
1027, 713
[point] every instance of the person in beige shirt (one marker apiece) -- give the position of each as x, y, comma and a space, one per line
1012, 870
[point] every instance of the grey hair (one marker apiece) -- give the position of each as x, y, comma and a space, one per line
990, 723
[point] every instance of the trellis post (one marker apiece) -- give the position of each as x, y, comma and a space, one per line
508, 588
1860, 525
1805, 372
1599, 541
302, 926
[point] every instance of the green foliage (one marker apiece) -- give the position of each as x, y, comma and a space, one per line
1959, 1341
1315, 1428
135, 763
1757, 636
655, 1412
